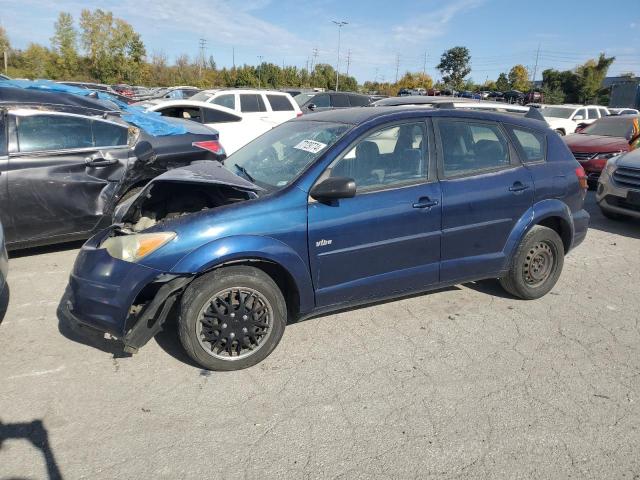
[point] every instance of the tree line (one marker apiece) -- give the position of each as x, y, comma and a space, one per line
105, 49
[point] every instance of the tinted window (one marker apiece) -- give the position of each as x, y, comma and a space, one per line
321, 101
582, 112
53, 132
228, 101
251, 103
532, 144
593, 113
611, 127
280, 103
603, 112
107, 134
470, 147
188, 113
358, 100
388, 157
216, 116
339, 101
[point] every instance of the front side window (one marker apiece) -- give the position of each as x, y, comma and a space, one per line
276, 158
107, 134
532, 143
321, 101
53, 132
580, 113
469, 147
251, 103
388, 157
280, 103
228, 100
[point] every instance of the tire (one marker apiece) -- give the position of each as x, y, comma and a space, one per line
536, 265
613, 215
560, 132
209, 329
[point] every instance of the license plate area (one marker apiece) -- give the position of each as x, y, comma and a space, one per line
633, 198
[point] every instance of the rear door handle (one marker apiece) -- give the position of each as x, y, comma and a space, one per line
425, 202
518, 187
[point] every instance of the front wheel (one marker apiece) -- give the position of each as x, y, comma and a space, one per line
537, 264
560, 132
231, 318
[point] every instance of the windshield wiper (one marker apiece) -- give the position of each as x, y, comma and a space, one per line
244, 171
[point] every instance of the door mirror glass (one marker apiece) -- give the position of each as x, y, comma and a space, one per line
578, 117
334, 188
311, 106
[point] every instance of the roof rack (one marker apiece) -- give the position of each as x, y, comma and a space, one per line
533, 113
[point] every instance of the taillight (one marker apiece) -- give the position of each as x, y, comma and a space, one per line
582, 177
299, 114
212, 146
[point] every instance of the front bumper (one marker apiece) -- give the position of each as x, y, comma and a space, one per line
104, 293
613, 198
593, 168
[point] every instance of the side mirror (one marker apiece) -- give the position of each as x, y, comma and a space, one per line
334, 188
578, 117
144, 151
311, 106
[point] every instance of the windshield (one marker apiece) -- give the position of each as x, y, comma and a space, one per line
201, 96
610, 127
557, 112
302, 98
280, 155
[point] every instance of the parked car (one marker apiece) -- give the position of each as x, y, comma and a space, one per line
514, 96
327, 211
170, 93
618, 193
235, 129
124, 89
321, 101
595, 144
565, 119
70, 159
100, 88
415, 100
623, 111
271, 105
533, 97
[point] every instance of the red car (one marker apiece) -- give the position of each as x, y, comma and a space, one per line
595, 144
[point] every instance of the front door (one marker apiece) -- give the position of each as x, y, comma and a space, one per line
60, 174
386, 239
485, 191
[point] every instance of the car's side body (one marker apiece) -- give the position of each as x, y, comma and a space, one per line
575, 116
441, 229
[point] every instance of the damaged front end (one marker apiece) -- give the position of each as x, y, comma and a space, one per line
111, 290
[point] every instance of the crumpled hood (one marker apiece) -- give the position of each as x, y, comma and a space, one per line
206, 171
630, 160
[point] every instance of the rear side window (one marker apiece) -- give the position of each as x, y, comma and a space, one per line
339, 101
250, 103
469, 147
532, 144
188, 113
106, 134
53, 132
358, 100
603, 112
280, 103
228, 101
216, 116
593, 113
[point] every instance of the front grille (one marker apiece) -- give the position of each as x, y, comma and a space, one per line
621, 202
582, 156
629, 177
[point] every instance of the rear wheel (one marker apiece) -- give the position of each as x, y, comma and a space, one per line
231, 318
560, 132
537, 264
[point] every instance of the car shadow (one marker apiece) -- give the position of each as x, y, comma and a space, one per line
490, 287
85, 335
169, 340
4, 301
58, 247
36, 433
628, 228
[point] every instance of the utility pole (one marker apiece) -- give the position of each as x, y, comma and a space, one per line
259, 68
233, 56
397, 66
535, 69
348, 61
424, 71
314, 58
375, 77
340, 24
203, 45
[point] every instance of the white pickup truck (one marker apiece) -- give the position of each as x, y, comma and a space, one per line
565, 119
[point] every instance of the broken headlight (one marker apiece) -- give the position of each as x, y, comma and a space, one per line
132, 248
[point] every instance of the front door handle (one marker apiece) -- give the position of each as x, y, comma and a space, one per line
518, 187
100, 161
425, 202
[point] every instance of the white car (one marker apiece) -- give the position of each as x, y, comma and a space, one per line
624, 111
565, 119
235, 129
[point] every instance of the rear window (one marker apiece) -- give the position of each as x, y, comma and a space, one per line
532, 144
250, 103
280, 103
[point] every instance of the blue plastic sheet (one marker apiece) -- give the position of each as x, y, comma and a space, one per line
151, 122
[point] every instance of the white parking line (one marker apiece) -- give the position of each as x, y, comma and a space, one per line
37, 373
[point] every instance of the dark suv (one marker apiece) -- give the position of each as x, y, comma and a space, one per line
320, 101
327, 211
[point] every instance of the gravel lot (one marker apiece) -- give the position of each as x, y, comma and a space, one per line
464, 382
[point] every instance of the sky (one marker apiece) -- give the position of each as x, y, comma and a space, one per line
381, 37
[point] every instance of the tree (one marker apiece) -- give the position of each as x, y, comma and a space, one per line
5, 45
590, 77
37, 61
64, 45
519, 78
454, 66
502, 84
414, 80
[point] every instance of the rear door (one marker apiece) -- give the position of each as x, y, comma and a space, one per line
62, 172
485, 191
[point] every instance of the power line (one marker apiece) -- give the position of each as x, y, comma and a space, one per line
397, 66
203, 45
314, 58
348, 61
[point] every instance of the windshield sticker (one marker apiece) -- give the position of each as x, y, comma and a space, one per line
310, 146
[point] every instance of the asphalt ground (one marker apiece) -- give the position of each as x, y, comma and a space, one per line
465, 382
